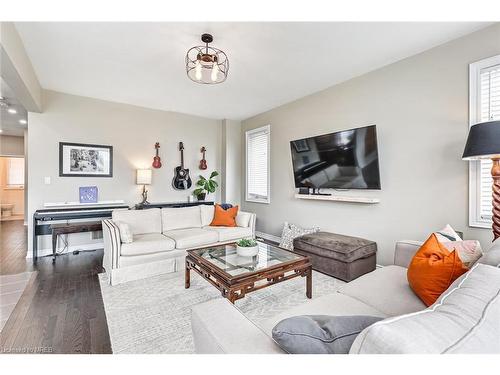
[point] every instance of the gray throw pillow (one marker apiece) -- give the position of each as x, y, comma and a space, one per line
320, 334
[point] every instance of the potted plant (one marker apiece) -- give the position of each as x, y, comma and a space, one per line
247, 247
205, 186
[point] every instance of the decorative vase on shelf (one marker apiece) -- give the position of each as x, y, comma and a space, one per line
201, 197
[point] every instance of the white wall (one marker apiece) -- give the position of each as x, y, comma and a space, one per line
132, 131
420, 107
231, 161
11, 145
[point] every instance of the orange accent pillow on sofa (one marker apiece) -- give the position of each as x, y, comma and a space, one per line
224, 218
433, 269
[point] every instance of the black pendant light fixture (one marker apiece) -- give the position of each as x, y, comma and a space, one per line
206, 64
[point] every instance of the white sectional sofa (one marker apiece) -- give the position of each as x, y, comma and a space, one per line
161, 238
465, 319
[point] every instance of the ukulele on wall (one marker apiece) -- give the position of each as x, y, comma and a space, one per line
181, 181
203, 162
156, 159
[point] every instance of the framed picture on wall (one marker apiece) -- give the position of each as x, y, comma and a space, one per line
301, 145
85, 160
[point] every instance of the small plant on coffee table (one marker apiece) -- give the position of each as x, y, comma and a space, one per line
244, 242
205, 186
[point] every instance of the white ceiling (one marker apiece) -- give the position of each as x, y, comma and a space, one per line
9, 122
270, 63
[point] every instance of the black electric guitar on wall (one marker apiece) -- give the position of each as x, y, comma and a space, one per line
181, 181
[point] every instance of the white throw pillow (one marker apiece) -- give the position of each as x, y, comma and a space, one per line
243, 219
447, 234
469, 251
291, 232
126, 235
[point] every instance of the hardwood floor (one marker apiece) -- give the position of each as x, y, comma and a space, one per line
61, 310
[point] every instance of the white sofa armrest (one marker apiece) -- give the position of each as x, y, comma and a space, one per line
112, 245
251, 222
219, 327
404, 252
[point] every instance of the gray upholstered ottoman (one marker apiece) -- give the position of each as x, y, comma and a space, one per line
342, 257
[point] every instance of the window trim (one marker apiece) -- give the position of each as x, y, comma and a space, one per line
248, 198
475, 219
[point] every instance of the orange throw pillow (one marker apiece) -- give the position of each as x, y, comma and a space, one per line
224, 218
433, 269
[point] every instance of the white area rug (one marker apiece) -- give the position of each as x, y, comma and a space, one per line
154, 315
11, 290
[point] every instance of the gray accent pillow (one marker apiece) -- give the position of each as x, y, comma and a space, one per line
320, 334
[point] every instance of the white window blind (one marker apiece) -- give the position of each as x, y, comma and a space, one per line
257, 171
489, 107
484, 106
15, 172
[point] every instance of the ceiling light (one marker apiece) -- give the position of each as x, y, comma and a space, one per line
1, 130
207, 65
12, 111
23, 121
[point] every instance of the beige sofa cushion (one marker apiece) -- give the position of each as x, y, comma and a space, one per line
465, 319
379, 288
243, 219
230, 233
207, 214
192, 237
140, 221
148, 243
331, 304
181, 218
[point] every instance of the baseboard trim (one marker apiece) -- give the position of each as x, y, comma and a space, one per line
268, 237
70, 249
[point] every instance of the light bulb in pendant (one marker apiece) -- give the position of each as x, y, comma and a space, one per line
215, 72
197, 70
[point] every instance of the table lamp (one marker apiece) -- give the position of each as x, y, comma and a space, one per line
144, 178
483, 142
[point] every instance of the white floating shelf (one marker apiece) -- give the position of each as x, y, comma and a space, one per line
338, 198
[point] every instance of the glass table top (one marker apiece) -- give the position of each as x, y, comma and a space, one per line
225, 258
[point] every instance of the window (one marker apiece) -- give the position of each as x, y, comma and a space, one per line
15, 172
484, 106
257, 171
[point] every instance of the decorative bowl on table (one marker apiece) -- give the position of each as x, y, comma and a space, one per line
247, 248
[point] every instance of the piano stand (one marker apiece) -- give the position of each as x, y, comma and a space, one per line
58, 229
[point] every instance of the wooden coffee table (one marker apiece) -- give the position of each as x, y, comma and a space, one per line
235, 276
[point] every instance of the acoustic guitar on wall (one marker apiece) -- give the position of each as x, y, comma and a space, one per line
181, 181
156, 159
203, 162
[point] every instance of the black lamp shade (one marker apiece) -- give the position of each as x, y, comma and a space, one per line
483, 141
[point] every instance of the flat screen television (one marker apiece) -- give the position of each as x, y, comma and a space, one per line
346, 159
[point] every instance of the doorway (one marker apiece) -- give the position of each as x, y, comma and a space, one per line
12, 188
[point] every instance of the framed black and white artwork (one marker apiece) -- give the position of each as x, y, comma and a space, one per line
85, 160
301, 145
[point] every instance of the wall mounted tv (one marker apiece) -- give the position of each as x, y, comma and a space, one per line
346, 159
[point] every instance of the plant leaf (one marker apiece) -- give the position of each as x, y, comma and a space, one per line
214, 174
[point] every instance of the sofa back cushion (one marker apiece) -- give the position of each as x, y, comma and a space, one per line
463, 320
207, 214
492, 256
181, 218
140, 221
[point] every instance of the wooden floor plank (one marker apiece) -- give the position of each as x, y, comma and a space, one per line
61, 310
